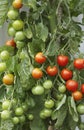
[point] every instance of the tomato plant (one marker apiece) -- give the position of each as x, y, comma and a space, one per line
66, 74
77, 95
40, 58
37, 73
8, 79
62, 60
52, 70
71, 85
79, 63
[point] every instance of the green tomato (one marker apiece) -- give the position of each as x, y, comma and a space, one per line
59, 96
6, 104
4, 55
15, 120
14, 102
5, 114
42, 115
49, 103
18, 25
19, 36
38, 90
62, 89
19, 111
2, 66
12, 14
47, 112
80, 108
11, 31
25, 107
30, 117
48, 84
22, 119
20, 44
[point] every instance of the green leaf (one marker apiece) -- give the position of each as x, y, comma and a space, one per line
3, 11
6, 125
42, 31
36, 46
30, 3
28, 33
72, 109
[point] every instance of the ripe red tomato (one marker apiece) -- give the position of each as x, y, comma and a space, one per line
11, 43
62, 60
52, 70
37, 73
72, 85
17, 4
79, 63
40, 58
8, 79
77, 95
66, 74
82, 88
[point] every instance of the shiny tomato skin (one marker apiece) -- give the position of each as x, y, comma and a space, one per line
66, 74
40, 58
52, 71
37, 73
18, 25
79, 63
77, 95
17, 4
82, 88
62, 60
11, 43
8, 79
71, 85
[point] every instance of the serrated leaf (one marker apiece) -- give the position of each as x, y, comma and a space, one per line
36, 46
6, 125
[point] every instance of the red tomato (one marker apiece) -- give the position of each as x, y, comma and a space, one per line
11, 43
37, 73
82, 88
17, 4
40, 58
62, 60
79, 63
77, 95
66, 74
71, 85
52, 71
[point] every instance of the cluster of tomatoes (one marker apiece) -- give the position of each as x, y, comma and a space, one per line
65, 73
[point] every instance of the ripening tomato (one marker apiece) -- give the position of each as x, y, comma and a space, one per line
17, 4
37, 73
82, 88
77, 95
40, 58
8, 79
62, 60
52, 70
79, 63
71, 85
11, 43
66, 74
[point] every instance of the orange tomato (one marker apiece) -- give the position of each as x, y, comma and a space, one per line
17, 4
77, 95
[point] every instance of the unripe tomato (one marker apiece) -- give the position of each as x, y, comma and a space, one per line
11, 43
30, 117
4, 55
77, 95
19, 36
11, 31
62, 60
17, 4
80, 108
5, 114
8, 79
12, 14
79, 63
42, 115
19, 111
72, 85
82, 88
66, 74
3, 66
40, 58
47, 84
6, 104
38, 90
22, 118
52, 71
49, 103
62, 88
37, 73
15, 120
18, 25
47, 112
